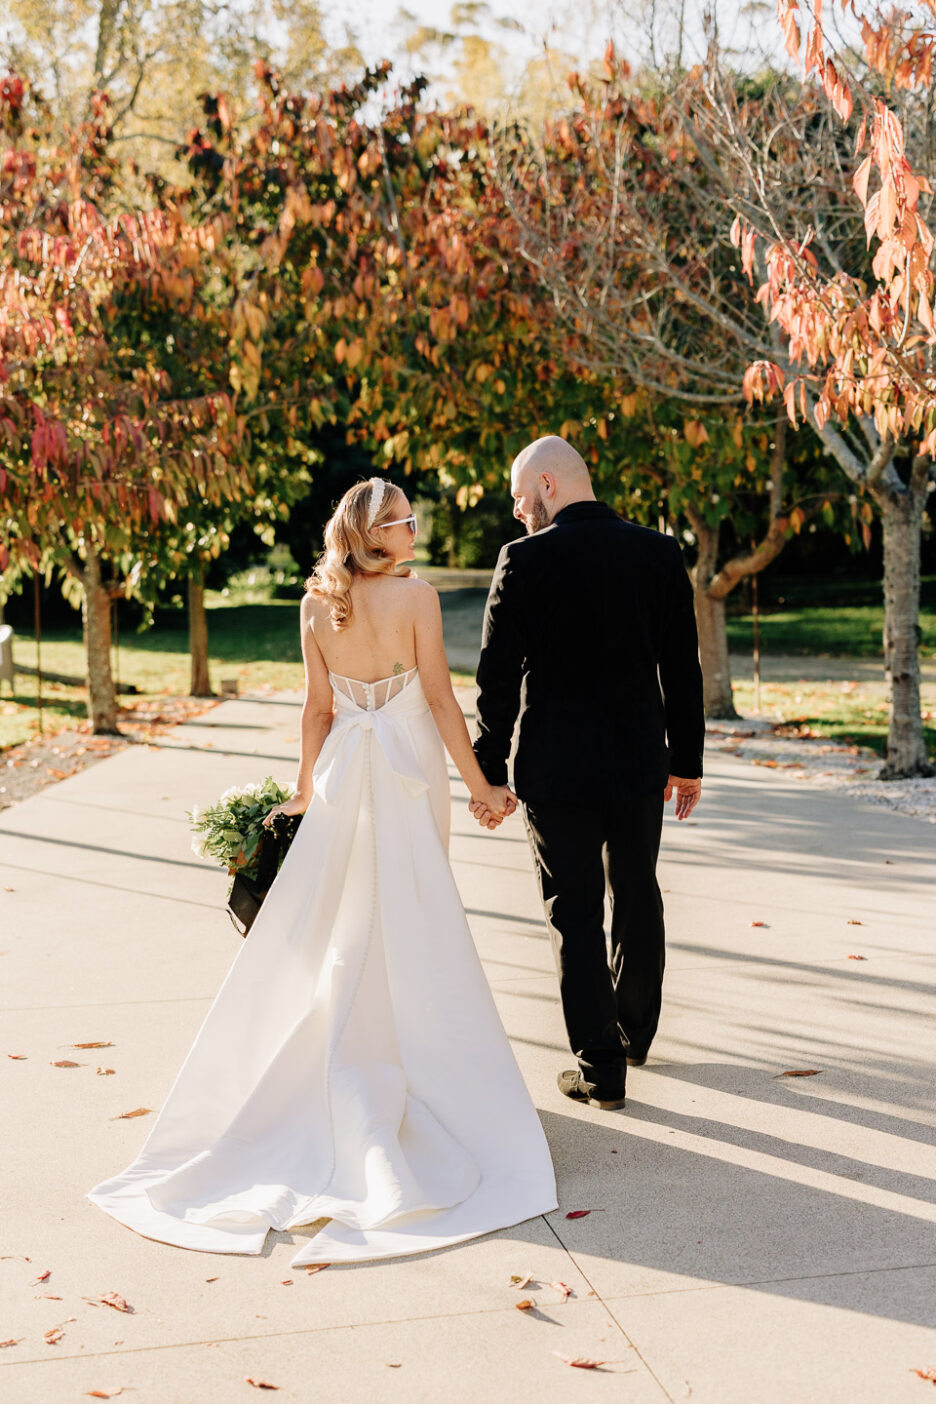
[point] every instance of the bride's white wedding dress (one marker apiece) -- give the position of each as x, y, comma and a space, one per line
352, 1066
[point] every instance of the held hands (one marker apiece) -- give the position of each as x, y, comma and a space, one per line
492, 805
687, 795
296, 804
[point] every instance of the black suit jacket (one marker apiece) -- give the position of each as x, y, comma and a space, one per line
590, 636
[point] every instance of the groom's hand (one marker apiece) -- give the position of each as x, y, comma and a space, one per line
687, 795
486, 817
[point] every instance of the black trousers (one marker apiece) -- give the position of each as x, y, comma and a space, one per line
610, 996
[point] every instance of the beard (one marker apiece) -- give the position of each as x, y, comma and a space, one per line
538, 517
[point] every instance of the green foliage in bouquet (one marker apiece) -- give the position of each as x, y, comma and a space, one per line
230, 830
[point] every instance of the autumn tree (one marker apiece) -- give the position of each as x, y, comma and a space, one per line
96, 450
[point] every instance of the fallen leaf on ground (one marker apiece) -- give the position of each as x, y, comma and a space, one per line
12, 1341
317, 1267
926, 1375
104, 1072
857, 957
42, 1277
8, 889
112, 1299
16, 1055
561, 1287
853, 922
581, 1362
521, 1282
800, 1072
104, 1393
758, 923
65, 1063
286, 1282
54, 1336
91, 1045
211, 1279
524, 1305
138, 1111
50, 1295
393, 1364
260, 1384
577, 1213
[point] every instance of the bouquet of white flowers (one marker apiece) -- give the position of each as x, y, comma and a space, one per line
232, 832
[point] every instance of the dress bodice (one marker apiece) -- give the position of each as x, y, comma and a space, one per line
370, 696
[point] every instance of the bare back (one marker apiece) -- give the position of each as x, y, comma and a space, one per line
380, 640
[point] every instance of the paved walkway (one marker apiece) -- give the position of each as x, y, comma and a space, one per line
750, 1236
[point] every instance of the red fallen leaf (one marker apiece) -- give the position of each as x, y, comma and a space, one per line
580, 1362
286, 1282
91, 1045
758, 923
124, 1116
317, 1267
923, 1374
54, 1336
16, 1055
104, 1393
260, 1384
12, 1341
393, 1364
42, 1277
561, 1287
801, 1072
853, 922
104, 1072
64, 1063
524, 1305
856, 957
577, 1213
50, 1295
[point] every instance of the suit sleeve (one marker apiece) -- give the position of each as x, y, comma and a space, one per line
681, 673
500, 671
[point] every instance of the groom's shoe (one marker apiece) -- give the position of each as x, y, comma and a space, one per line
637, 1061
572, 1084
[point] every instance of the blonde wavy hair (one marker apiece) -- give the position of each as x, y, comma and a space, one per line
353, 548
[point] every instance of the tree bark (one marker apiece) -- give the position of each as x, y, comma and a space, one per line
96, 622
902, 520
200, 685
710, 622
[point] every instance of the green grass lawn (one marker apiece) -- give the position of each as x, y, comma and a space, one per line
842, 711
851, 630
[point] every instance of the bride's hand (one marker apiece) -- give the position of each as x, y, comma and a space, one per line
296, 804
492, 804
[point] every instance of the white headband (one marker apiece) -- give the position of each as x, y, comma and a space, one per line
376, 498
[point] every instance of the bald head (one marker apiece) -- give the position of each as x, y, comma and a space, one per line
546, 476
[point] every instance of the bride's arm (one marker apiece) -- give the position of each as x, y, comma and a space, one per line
437, 686
318, 711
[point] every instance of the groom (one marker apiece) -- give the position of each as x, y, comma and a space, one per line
590, 638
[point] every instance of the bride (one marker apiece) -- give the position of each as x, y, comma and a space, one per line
353, 1068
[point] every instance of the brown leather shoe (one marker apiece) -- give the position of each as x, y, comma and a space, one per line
572, 1084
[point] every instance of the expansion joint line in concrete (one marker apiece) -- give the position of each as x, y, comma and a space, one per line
598, 1297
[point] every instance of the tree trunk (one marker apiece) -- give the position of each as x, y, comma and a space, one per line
902, 519
710, 622
200, 685
96, 621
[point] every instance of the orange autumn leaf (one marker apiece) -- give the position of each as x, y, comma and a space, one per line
317, 1267
53, 1336
525, 1305
857, 957
92, 1045
758, 923
104, 1393
138, 1111
926, 1375
16, 1055
111, 1299
42, 1277
562, 1288
260, 1384
14, 1340
580, 1362
103, 1072
800, 1072
65, 1063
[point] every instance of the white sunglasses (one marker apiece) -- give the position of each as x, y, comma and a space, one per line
402, 521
